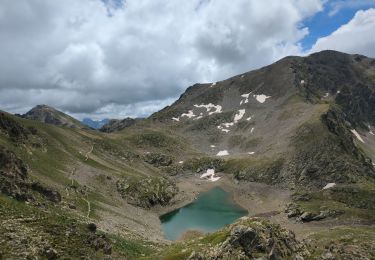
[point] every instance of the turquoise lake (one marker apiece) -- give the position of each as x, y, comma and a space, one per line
209, 212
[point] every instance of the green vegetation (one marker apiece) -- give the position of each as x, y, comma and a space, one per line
343, 243
203, 163
260, 170
29, 232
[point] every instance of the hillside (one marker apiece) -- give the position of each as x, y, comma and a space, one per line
293, 142
115, 125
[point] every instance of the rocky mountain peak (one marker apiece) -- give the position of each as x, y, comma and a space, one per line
50, 115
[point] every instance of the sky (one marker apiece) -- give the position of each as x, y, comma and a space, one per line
114, 58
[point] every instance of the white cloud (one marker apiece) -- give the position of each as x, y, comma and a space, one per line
87, 57
357, 36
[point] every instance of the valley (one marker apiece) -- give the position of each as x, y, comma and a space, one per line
291, 143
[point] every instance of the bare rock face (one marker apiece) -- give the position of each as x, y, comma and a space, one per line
253, 238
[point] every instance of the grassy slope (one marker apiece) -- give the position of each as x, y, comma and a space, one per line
56, 157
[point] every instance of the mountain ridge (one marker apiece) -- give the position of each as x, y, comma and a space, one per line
286, 150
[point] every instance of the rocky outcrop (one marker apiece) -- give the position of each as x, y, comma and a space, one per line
14, 130
147, 192
48, 193
13, 176
293, 210
158, 159
254, 238
98, 241
115, 125
14, 180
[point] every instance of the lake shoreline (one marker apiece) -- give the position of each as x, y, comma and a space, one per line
256, 198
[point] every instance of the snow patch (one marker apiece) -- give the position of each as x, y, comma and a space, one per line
326, 95
211, 108
302, 82
357, 135
213, 84
251, 153
329, 185
222, 153
176, 119
212, 146
261, 98
252, 130
190, 114
237, 117
210, 175
246, 98
181, 162
370, 131
249, 118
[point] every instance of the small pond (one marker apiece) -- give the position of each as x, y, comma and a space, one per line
209, 212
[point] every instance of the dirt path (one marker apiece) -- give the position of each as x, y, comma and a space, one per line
88, 208
88, 153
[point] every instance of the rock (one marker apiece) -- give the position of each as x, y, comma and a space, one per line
50, 194
195, 256
158, 159
243, 236
307, 217
91, 227
72, 206
100, 242
328, 256
51, 253
292, 210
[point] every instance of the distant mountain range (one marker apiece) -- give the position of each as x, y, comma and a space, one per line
96, 124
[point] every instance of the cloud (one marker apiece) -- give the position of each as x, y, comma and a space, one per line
356, 37
116, 58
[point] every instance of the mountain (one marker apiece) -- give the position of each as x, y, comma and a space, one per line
293, 143
50, 115
272, 117
96, 124
115, 125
